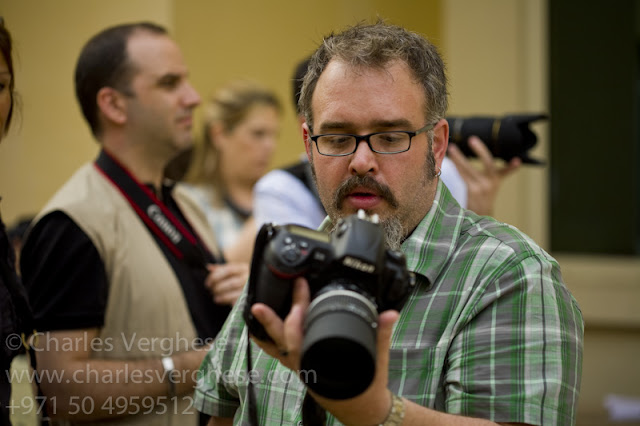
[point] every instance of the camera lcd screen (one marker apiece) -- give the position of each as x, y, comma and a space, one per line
309, 233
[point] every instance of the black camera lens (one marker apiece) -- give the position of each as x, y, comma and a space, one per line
506, 137
339, 346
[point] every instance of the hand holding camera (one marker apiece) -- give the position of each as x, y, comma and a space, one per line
352, 277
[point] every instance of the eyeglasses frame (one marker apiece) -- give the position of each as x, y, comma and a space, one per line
366, 138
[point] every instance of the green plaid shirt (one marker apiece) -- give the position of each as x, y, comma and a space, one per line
490, 331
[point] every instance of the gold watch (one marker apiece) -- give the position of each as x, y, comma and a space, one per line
396, 414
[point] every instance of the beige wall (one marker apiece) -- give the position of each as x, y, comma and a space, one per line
496, 53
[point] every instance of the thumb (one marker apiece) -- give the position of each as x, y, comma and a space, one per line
386, 321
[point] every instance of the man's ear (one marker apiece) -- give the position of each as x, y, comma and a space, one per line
300, 120
112, 105
308, 144
440, 141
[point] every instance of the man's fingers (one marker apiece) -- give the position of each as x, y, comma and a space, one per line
228, 285
220, 272
287, 334
463, 165
272, 324
483, 153
293, 324
301, 293
386, 321
228, 298
513, 165
224, 281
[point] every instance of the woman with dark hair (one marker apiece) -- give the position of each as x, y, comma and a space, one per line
14, 310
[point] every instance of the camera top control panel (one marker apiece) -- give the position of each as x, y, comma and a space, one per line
300, 245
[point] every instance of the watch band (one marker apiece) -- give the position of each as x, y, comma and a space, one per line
396, 414
169, 373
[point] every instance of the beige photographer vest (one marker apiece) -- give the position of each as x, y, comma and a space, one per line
146, 311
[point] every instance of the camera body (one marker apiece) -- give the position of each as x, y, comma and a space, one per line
352, 278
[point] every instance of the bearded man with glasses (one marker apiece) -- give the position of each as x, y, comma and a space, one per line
490, 333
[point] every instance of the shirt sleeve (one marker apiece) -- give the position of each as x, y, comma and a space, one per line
64, 275
224, 368
519, 356
281, 198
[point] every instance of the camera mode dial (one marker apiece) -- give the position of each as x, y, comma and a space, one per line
294, 251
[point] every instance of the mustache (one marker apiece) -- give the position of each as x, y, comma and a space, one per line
363, 182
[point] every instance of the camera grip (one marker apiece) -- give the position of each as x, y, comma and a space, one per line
277, 295
266, 287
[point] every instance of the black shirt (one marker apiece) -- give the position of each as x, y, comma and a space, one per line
67, 283
15, 318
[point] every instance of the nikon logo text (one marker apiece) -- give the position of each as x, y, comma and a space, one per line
359, 265
159, 219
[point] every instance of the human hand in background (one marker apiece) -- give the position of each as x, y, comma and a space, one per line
483, 183
226, 281
242, 249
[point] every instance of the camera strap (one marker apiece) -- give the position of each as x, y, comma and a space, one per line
182, 243
251, 393
312, 413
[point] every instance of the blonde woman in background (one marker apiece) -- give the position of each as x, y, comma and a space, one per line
242, 123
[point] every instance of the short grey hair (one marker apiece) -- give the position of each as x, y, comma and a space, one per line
375, 46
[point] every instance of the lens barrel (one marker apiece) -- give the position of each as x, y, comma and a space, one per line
339, 346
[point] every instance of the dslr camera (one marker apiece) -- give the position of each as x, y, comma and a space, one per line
352, 278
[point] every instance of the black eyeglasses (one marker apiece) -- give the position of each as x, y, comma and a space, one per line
341, 144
